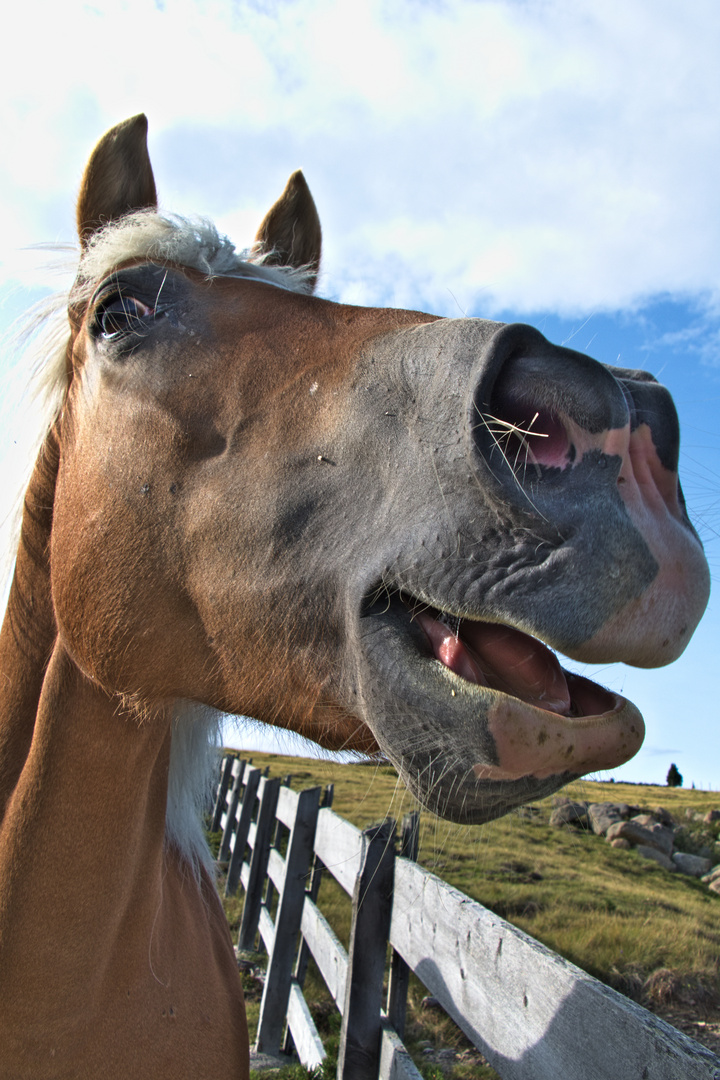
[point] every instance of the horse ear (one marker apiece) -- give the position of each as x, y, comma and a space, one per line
290, 234
118, 178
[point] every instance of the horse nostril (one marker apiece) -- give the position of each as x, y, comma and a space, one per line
526, 432
537, 406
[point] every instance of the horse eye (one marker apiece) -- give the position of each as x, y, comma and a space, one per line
120, 315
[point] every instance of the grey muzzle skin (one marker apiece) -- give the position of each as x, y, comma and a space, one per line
523, 498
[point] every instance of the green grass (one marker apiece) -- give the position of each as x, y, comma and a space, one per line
625, 920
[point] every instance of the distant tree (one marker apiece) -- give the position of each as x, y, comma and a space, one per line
674, 777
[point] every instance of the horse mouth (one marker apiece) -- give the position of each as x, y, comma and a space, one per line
510, 661
486, 702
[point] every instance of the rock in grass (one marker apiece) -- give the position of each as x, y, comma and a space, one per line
712, 875
657, 836
621, 843
648, 852
645, 819
570, 813
715, 885
431, 1003
694, 865
711, 816
603, 815
663, 816
663, 838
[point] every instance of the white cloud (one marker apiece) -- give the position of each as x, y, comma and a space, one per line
539, 155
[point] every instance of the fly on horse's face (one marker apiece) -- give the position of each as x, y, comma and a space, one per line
371, 526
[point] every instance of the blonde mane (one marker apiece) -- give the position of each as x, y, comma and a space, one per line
42, 341
191, 242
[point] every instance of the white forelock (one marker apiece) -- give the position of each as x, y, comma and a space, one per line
191, 242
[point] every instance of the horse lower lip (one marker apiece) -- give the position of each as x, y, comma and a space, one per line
500, 657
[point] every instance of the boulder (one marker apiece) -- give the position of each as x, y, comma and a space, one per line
662, 815
648, 852
645, 819
603, 815
658, 836
570, 813
621, 842
711, 816
662, 837
694, 865
712, 875
715, 885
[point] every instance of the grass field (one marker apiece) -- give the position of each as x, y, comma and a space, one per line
653, 935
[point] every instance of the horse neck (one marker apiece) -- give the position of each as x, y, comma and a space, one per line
103, 929
29, 631
73, 760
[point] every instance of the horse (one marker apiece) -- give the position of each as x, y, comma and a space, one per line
368, 526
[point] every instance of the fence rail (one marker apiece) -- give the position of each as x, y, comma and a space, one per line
531, 1013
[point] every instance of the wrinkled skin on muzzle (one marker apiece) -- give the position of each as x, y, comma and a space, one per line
550, 512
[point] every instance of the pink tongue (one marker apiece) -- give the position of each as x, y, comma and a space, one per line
503, 658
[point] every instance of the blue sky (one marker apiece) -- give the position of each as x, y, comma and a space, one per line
550, 161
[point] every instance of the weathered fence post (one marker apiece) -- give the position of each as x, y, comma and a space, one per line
316, 872
252, 781
222, 789
359, 1052
399, 980
291, 890
237, 772
519, 1003
268, 795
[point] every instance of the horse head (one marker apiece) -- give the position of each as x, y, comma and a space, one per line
369, 526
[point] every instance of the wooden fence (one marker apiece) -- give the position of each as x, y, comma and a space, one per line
532, 1014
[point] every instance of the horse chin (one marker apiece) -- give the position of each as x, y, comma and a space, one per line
480, 717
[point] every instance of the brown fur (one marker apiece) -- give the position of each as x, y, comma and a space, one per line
119, 178
115, 961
